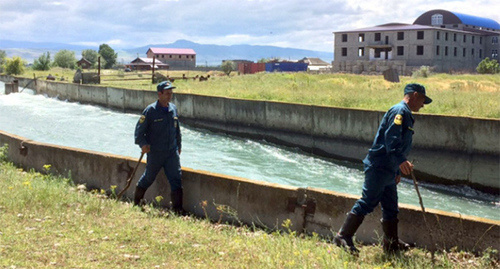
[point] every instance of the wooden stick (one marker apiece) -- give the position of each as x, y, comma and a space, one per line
129, 180
415, 183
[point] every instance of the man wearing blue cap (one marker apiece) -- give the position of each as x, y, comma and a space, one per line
383, 165
158, 134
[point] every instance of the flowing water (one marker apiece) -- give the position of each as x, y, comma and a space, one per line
63, 123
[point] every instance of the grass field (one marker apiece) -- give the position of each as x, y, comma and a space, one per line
48, 222
458, 95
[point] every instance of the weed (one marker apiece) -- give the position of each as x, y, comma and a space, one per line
422, 72
4, 153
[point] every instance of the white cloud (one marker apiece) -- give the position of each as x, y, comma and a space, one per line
292, 23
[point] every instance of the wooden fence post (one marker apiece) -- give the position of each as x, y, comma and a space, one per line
99, 68
153, 75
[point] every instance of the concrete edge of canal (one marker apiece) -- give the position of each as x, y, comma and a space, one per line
234, 199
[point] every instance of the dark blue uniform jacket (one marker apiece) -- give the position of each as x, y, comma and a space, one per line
393, 140
159, 128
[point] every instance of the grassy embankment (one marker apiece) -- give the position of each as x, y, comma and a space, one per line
459, 95
46, 221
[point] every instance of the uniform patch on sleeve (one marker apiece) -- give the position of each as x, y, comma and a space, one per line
142, 119
398, 120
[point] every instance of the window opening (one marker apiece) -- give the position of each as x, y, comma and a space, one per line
401, 50
361, 38
344, 51
361, 52
420, 50
437, 19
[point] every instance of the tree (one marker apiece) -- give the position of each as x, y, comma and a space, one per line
42, 63
65, 59
14, 66
103, 62
227, 67
91, 56
3, 58
488, 66
108, 54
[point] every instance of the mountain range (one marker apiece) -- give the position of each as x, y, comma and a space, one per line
206, 54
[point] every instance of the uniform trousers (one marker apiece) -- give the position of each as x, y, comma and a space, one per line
170, 162
379, 187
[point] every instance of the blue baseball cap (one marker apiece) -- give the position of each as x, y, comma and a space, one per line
414, 87
165, 85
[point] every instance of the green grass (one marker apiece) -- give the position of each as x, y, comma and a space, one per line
46, 221
459, 95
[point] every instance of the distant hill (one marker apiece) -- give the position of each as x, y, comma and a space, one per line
214, 54
206, 54
10, 44
32, 50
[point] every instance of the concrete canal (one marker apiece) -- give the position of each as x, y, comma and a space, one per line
89, 127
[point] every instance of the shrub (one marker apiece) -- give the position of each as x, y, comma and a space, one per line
227, 67
423, 72
3, 58
488, 66
42, 63
4, 150
14, 66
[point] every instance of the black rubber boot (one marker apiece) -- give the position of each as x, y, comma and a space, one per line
392, 243
343, 238
138, 195
176, 198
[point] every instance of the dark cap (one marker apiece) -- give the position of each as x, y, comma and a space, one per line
164, 85
414, 87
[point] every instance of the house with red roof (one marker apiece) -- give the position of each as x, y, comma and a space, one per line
84, 63
177, 59
145, 64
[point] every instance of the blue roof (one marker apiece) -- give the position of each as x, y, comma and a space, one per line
477, 21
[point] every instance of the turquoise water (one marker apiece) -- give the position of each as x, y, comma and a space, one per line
88, 127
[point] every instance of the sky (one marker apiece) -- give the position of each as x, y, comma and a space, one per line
126, 24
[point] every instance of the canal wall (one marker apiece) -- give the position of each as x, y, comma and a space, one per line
446, 149
267, 205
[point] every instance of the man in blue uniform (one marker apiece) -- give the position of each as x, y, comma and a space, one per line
383, 165
158, 134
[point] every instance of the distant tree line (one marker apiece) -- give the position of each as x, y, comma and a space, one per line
63, 58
